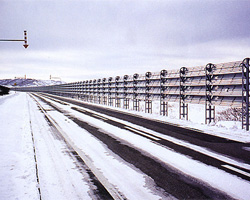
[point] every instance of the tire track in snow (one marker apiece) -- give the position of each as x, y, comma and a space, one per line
107, 191
35, 156
178, 184
209, 157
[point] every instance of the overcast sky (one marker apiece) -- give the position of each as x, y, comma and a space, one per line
79, 39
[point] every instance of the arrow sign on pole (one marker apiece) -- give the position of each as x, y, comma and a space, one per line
25, 40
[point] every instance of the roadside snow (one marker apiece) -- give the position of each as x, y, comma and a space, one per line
59, 177
17, 166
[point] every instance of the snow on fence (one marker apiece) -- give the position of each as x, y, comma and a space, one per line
225, 84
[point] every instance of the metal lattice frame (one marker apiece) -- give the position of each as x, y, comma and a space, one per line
163, 101
110, 98
210, 108
183, 96
148, 101
99, 91
136, 101
117, 98
125, 92
104, 97
245, 94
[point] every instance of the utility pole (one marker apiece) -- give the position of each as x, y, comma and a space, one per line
14, 40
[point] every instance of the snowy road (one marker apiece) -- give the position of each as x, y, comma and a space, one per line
76, 151
36, 163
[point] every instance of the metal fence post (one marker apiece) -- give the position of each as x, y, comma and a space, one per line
245, 94
135, 94
117, 98
125, 93
163, 102
210, 108
104, 99
148, 102
183, 96
110, 99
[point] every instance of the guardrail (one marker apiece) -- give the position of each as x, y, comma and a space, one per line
4, 90
225, 84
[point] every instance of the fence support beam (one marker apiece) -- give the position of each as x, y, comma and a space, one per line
209, 107
99, 99
104, 100
148, 101
136, 104
148, 106
163, 102
117, 98
135, 94
245, 94
183, 96
164, 107
126, 103
125, 93
117, 102
110, 99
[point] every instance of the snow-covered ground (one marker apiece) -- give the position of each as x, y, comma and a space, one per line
17, 168
21, 124
21, 121
26, 137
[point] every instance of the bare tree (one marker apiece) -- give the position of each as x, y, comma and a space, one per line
230, 114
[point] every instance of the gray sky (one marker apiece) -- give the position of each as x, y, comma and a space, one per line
79, 40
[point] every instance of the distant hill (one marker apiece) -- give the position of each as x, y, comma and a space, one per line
28, 82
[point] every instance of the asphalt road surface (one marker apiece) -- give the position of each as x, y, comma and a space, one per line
166, 177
